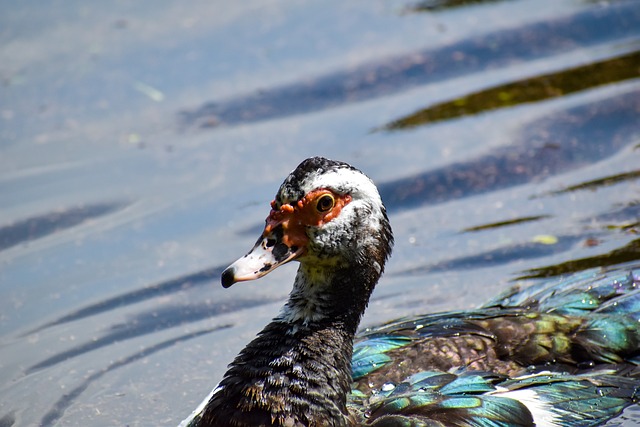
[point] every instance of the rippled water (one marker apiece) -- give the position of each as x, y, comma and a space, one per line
140, 144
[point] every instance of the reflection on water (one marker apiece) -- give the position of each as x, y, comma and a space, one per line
533, 89
553, 145
56, 412
7, 420
112, 312
200, 278
483, 52
148, 323
23, 231
601, 182
435, 5
505, 223
628, 253
499, 256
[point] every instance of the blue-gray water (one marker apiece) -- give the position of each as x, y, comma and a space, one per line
141, 142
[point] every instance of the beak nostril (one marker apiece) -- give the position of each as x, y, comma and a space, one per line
281, 251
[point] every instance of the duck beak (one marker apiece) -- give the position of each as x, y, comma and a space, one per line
283, 240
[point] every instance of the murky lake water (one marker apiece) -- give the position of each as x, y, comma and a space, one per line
140, 145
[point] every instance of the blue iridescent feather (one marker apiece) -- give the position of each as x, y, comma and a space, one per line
581, 338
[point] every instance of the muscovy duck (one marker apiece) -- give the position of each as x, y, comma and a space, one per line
556, 354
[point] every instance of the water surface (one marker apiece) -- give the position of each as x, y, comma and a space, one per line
140, 145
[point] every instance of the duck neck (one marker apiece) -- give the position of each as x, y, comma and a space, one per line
331, 297
298, 369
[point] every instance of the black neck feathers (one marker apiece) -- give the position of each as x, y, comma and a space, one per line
287, 377
297, 372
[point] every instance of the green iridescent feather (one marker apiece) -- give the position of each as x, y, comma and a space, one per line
565, 326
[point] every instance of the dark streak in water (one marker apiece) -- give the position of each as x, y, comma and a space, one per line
532, 250
629, 252
8, 420
627, 215
507, 223
503, 255
568, 140
601, 182
533, 89
151, 322
178, 284
67, 399
52, 222
625, 218
437, 5
393, 75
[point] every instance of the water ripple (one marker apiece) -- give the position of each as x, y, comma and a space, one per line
67, 399
394, 75
52, 222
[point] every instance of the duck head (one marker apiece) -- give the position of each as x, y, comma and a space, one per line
326, 215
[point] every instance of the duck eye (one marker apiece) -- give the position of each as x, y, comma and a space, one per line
325, 203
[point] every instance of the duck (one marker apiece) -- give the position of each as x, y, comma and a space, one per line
563, 353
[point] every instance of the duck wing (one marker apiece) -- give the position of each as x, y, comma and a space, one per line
486, 399
583, 332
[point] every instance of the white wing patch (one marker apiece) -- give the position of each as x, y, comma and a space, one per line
200, 407
544, 414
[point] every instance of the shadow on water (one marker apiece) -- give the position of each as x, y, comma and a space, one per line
528, 90
8, 420
394, 75
437, 5
627, 253
499, 256
149, 322
67, 399
550, 147
507, 223
597, 183
53, 222
200, 278
625, 218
